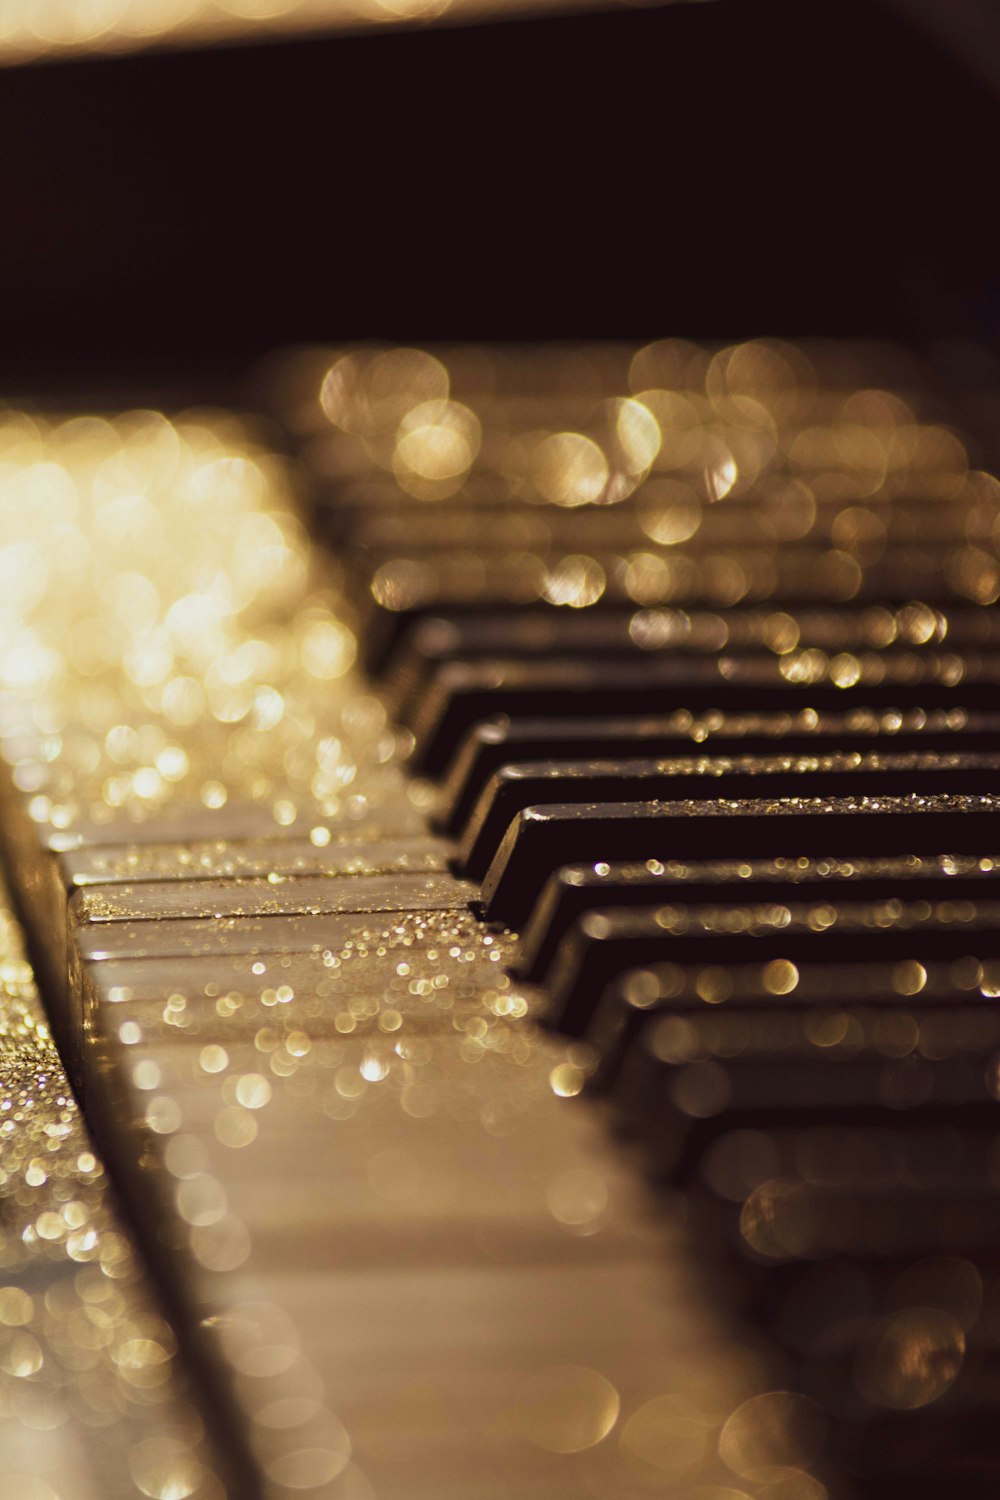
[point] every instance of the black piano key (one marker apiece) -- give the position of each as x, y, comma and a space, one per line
543, 838
405, 589
923, 1453
828, 1222
462, 693
576, 889
502, 523
871, 1224
501, 740
604, 944
890, 1155
513, 634
492, 520
618, 632
913, 1206
637, 998
512, 788
608, 633
832, 1305
689, 1080
384, 521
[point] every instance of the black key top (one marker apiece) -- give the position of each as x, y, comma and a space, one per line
577, 889
614, 631
495, 522
786, 1194
874, 1159
937, 1449
543, 838
461, 693
513, 634
384, 521
405, 589
603, 944
689, 1080
502, 741
513, 788
637, 998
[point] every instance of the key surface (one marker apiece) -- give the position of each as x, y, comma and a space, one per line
543, 838
324, 854
576, 889
126, 936
386, 1199
384, 524
404, 590
635, 999
879, 773
687, 1080
616, 632
501, 740
263, 896
462, 693
602, 944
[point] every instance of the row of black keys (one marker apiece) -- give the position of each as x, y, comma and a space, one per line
467, 561
684, 827
804, 1045
749, 856
600, 748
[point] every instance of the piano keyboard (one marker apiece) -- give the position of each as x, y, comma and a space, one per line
523, 952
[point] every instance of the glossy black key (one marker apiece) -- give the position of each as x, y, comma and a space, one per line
634, 1000
815, 1192
512, 634
462, 693
776, 936
576, 889
405, 589
502, 741
543, 838
612, 632
384, 521
948, 1447
889, 773
492, 522
689, 1080
625, 632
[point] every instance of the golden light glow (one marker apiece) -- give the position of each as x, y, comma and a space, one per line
566, 1408
776, 1430
36, 28
910, 1359
780, 977
667, 1436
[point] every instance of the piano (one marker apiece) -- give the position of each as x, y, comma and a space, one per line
511, 879
499, 926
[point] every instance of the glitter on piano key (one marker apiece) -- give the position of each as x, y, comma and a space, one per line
82, 1351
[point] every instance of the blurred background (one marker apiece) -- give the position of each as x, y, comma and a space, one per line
712, 169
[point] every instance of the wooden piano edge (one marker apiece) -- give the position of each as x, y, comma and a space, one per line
38, 899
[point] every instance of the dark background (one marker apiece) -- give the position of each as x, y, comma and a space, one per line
751, 166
